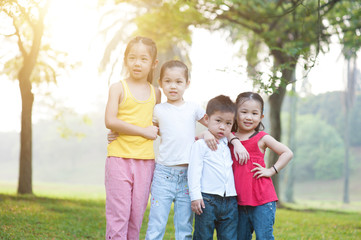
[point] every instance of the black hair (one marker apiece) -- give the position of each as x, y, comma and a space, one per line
243, 97
171, 64
152, 51
220, 103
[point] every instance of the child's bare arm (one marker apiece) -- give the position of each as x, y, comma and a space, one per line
122, 127
239, 150
284, 153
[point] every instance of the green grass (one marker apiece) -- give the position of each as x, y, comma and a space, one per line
30, 217
78, 212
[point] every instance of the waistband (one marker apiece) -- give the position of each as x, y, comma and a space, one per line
172, 170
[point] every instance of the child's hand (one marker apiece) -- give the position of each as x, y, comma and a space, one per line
210, 140
112, 136
240, 152
261, 171
197, 206
151, 132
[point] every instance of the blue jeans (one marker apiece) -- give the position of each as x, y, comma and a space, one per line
220, 213
170, 185
259, 219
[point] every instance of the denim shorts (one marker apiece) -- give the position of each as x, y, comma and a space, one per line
258, 219
220, 214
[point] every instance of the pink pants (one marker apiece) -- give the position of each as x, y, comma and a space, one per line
127, 185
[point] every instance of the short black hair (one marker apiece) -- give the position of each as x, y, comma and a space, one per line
172, 64
220, 103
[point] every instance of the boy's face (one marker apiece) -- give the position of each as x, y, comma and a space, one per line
174, 84
220, 123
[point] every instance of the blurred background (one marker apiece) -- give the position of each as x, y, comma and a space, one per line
63, 54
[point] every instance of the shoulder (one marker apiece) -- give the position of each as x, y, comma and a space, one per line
116, 87
267, 140
200, 143
196, 109
159, 106
194, 104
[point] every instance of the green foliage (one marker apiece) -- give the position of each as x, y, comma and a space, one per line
320, 150
330, 107
169, 24
346, 25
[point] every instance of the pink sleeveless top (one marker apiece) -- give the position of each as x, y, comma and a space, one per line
250, 190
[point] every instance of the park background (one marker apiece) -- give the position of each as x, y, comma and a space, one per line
85, 41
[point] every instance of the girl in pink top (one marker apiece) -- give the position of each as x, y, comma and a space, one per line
255, 191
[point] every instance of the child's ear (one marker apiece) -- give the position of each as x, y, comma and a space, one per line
187, 84
155, 63
262, 116
206, 118
160, 83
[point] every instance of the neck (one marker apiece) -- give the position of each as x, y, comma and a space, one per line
176, 103
141, 81
244, 135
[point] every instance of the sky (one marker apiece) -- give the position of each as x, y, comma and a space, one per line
74, 29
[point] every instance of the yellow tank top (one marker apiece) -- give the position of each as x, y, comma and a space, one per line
138, 113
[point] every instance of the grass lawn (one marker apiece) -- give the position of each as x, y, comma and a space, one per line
30, 217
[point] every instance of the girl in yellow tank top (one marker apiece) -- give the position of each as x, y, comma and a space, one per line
130, 160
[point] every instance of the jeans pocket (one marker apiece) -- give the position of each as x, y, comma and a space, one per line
207, 199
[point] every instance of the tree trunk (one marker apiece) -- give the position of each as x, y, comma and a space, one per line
25, 166
27, 97
275, 102
291, 143
349, 99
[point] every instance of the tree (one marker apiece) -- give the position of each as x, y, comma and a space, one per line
291, 30
347, 22
166, 22
287, 28
32, 65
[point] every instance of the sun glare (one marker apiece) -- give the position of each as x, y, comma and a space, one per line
71, 24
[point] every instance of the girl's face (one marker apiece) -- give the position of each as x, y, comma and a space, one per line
249, 115
174, 84
139, 61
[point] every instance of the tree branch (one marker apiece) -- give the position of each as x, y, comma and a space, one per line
17, 33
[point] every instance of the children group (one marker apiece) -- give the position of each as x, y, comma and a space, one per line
219, 181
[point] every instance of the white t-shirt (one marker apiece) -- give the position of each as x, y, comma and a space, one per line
177, 130
210, 171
